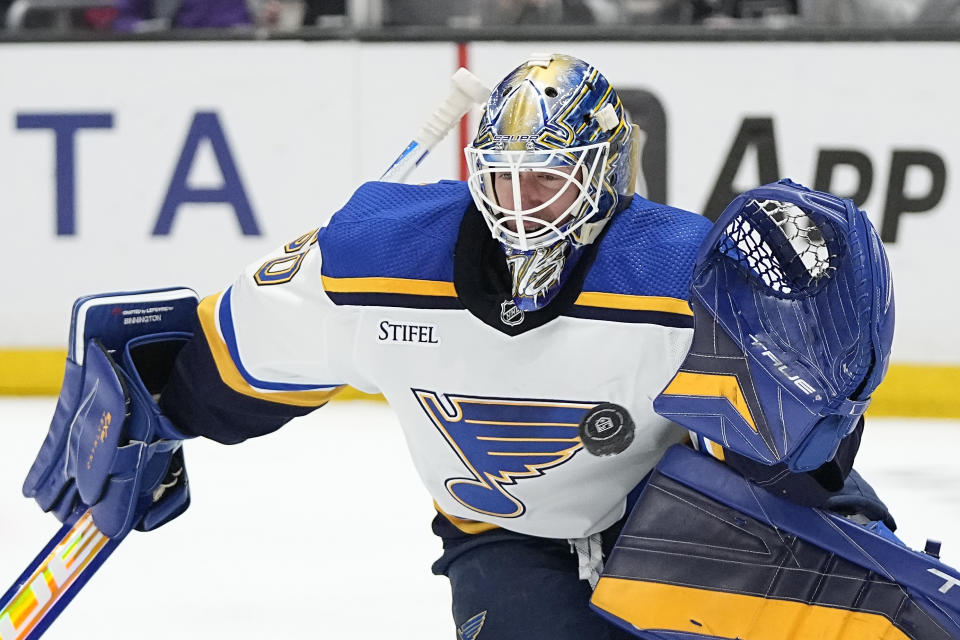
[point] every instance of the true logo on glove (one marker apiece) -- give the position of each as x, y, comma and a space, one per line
104, 430
801, 384
950, 583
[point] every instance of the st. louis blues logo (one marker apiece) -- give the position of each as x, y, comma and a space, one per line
501, 440
470, 629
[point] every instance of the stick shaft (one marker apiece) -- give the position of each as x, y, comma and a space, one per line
54, 577
465, 92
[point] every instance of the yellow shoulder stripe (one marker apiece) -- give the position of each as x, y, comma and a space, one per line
389, 285
231, 375
651, 605
633, 303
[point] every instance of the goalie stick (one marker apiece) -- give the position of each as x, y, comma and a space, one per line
77, 550
58, 572
466, 91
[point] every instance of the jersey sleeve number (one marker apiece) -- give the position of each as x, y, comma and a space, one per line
282, 269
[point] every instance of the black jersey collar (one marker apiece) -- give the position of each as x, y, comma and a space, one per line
483, 284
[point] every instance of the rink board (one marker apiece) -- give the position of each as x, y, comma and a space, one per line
135, 165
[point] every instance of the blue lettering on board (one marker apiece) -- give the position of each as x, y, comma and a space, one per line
65, 127
206, 126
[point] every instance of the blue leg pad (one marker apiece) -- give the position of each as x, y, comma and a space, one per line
707, 554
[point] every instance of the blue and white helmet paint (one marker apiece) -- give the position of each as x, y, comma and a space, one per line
558, 116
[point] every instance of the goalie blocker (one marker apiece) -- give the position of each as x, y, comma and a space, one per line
109, 447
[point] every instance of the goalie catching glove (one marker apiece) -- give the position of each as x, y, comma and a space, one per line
109, 448
794, 314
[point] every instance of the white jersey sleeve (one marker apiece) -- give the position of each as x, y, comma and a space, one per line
274, 334
269, 348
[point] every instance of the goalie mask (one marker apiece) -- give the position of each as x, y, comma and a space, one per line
554, 158
794, 316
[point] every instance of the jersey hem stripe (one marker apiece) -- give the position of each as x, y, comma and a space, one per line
471, 527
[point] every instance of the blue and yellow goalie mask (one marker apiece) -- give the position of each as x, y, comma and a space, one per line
554, 158
794, 317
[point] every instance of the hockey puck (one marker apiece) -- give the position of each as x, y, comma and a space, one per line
606, 430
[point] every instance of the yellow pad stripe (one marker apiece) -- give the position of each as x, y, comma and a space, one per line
231, 375
633, 303
711, 385
716, 450
650, 605
389, 285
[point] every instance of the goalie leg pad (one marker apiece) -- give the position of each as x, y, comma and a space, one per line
707, 554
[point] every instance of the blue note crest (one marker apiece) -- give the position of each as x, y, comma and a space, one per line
502, 440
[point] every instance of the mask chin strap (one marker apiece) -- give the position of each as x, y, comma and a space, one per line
589, 231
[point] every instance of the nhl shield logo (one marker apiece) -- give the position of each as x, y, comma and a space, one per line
510, 314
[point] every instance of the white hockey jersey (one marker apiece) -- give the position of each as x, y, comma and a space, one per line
539, 422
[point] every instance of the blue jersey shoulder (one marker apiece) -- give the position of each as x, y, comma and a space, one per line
392, 230
649, 250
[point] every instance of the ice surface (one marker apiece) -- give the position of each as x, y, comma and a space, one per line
323, 530
319, 530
